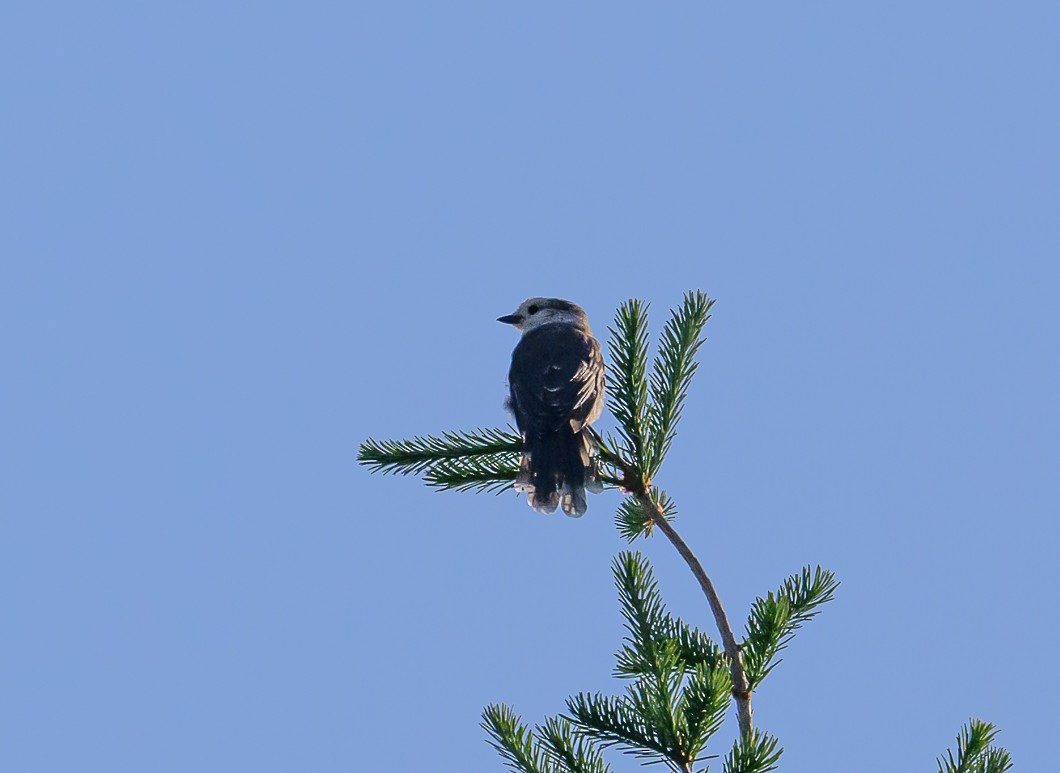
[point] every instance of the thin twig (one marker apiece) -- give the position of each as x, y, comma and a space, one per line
634, 483
740, 686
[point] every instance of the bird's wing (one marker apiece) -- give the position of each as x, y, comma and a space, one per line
556, 378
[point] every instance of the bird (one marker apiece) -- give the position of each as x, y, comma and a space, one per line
556, 390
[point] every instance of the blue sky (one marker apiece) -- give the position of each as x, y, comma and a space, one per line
237, 239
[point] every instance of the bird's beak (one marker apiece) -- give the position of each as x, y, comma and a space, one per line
511, 319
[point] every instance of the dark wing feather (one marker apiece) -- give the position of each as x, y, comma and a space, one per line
557, 376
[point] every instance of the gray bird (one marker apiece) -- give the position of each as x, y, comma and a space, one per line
556, 385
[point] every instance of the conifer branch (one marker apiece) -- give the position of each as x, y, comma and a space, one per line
775, 618
631, 519
741, 690
975, 751
479, 460
643, 610
652, 631
482, 473
705, 700
557, 749
614, 722
634, 484
680, 681
672, 373
627, 383
656, 699
757, 753
692, 648
569, 752
420, 453
513, 740
681, 686
656, 719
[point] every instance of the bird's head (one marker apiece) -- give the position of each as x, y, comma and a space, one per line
535, 312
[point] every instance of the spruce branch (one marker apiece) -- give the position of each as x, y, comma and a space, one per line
648, 722
672, 373
692, 647
975, 751
650, 719
631, 519
757, 753
674, 368
611, 721
766, 624
774, 619
642, 608
654, 635
569, 752
627, 385
479, 460
633, 482
557, 748
705, 699
741, 690
421, 453
512, 739
657, 700
681, 685
478, 473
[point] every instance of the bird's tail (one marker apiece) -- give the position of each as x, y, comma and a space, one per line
556, 469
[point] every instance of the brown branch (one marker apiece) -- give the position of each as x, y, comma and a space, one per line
740, 686
634, 483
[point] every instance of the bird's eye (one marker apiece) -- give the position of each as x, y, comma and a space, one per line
533, 309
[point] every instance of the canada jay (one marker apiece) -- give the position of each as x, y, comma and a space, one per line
556, 387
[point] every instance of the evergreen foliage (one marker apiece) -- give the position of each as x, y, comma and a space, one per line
675, 702
556, 749
626, 379
653, 633
632, 521
513, 740
976, 752
680, 685
675, 365
679, 682
570, 751
422, 454
775, 618
757, 754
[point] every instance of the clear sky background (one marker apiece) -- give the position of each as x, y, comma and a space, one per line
236, 239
